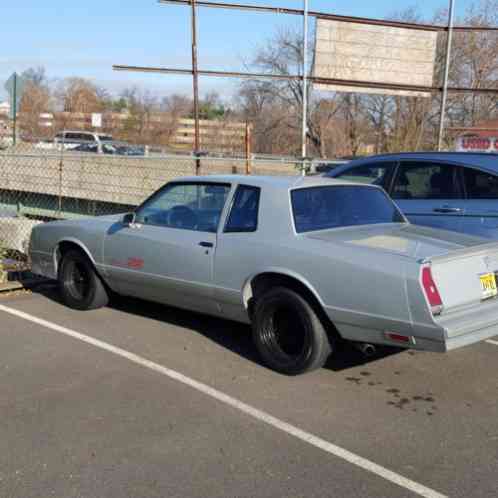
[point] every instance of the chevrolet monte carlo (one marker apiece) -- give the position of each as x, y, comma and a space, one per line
306, 261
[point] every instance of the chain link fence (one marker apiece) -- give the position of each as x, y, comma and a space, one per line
38, 185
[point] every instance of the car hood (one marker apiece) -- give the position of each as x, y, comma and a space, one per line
93, 222
407, 240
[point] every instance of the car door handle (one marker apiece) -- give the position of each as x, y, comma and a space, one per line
206, 244
447, 209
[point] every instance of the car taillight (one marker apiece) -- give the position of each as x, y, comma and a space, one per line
431, 291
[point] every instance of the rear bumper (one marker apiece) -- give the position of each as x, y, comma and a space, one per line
470, 325
471, 338
453, 331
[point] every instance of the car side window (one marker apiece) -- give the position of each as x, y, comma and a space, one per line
244, 213
186, 206
480, 185
426, 180
373, 174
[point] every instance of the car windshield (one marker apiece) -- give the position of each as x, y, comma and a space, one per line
322, 208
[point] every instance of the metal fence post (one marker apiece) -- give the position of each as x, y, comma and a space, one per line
305, 86
444, 96
61, 166
248, 148
195, 81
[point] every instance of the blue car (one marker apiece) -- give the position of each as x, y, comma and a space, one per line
451, 191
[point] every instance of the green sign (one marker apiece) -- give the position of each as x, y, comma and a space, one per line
15, 87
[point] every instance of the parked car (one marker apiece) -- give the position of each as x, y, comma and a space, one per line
72, 139
306, 261
45, 145
111, 148
321, 167
453, 191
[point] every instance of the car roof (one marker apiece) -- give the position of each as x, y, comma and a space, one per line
275, 182
80, 131
488, 161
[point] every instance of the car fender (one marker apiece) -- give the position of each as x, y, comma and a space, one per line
247, 290
75, 241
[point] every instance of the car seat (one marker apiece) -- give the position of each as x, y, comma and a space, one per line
403, 182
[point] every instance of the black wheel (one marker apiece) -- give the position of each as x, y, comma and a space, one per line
288, 333
80, 286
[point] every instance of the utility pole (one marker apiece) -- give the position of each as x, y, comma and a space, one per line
444, 96
305, 88
195, 80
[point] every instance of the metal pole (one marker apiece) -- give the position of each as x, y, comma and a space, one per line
305, 87
298, 77
325, 15
14, 111
444, 96
248, 148
195, 79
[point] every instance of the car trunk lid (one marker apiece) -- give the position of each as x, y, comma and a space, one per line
459, 266
465, 277
406, 240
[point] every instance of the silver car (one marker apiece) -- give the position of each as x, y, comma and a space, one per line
306, 261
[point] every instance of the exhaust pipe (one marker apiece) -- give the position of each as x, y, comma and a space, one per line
368, 350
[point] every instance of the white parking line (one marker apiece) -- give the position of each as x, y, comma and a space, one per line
260, 415
490, 341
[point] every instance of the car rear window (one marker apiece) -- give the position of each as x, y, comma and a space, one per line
322, 208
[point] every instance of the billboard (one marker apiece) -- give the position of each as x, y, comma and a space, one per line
378, 54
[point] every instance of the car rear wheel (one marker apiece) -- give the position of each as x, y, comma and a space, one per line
80, 286
288, 333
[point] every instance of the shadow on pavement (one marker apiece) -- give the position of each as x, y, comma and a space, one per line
233, 336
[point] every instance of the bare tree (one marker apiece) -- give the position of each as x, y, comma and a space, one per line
36, 100
475, 65
79, 95
275, 106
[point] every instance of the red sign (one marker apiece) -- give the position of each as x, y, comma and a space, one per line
477, 144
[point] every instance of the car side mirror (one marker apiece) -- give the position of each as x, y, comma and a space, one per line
129, 219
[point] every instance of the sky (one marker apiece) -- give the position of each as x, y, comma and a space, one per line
85, 39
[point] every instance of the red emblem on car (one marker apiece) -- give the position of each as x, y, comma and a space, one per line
135, 263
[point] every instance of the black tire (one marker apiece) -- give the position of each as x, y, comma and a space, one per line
288, 333
79, 284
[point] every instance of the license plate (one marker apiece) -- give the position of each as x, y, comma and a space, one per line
488, 285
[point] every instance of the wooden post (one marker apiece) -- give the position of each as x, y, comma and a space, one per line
248, 148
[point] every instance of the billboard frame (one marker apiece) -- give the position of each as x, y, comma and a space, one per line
305, 78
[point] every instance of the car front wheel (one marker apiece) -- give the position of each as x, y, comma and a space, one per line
80, 286
288, 333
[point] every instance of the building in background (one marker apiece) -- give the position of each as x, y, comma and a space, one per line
154, 129
4, 108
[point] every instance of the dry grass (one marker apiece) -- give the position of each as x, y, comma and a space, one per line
10, 260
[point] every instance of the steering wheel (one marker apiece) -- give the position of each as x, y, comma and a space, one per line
182, 217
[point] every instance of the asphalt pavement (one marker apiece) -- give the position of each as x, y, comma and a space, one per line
142, 400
